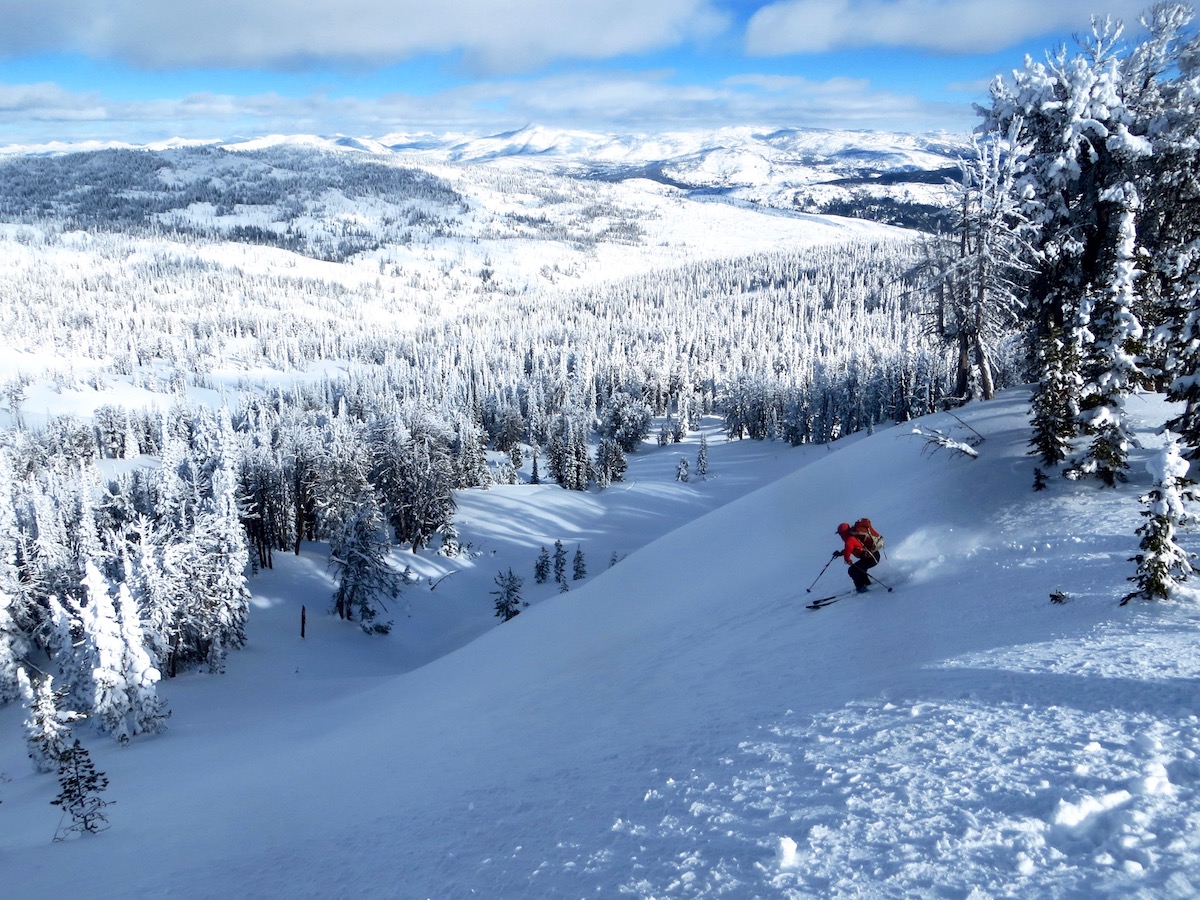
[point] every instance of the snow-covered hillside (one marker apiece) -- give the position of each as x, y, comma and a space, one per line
679, 724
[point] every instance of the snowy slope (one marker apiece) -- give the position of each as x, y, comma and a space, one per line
679, 725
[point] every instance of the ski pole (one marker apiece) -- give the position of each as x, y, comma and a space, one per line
878, 582
819, 574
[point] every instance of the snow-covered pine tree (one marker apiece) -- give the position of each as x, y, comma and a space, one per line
567, 453
626, 419
578, 565
104, 654
414, 475
148, 712
47, 721
1054, 407
611, 464
664, 434
451, 545
1184, 361
67, 654
190, 575
1111, 333
52, 566
560, 563
508, 428
1107, 178
541, 567
702, 458
1058, 113
13, 648
681, 470
220, 540
470, 458
12, 542
1163, 564
153, 588
132, 445
177, 490
260, 483
301, 454
109, 423
358, 556
1168, 65
508, 595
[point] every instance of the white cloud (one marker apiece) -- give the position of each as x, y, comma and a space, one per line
593, 100
518, 35
950, 26
48, 103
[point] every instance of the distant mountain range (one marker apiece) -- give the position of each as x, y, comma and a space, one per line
890, 177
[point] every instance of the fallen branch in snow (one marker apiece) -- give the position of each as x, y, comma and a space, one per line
433, 584
968, 427
935, 439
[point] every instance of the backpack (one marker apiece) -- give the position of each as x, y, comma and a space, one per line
867, 535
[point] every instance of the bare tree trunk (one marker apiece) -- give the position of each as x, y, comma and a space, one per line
987, 386
962, 380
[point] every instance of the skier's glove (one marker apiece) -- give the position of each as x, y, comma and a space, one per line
836, 554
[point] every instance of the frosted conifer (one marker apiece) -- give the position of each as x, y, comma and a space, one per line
541, 568
508, 595
560, 563
1163, 564
365, 579
148, 713
47, 722
13, 647
104, 652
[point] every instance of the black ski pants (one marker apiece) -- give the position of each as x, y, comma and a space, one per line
858, 569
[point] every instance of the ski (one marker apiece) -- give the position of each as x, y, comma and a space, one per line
826, 601
821, 602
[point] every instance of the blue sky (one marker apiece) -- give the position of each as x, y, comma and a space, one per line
150, 70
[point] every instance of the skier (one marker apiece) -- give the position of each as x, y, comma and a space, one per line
857, 557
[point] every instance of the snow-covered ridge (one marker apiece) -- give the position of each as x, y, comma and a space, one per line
779, 166
900, 150
893, 149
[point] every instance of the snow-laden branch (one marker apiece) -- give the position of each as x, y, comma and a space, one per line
935, 439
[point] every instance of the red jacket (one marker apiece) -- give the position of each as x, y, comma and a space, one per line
854, 548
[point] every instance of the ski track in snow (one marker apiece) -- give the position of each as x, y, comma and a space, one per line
1053, 782
972, 796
